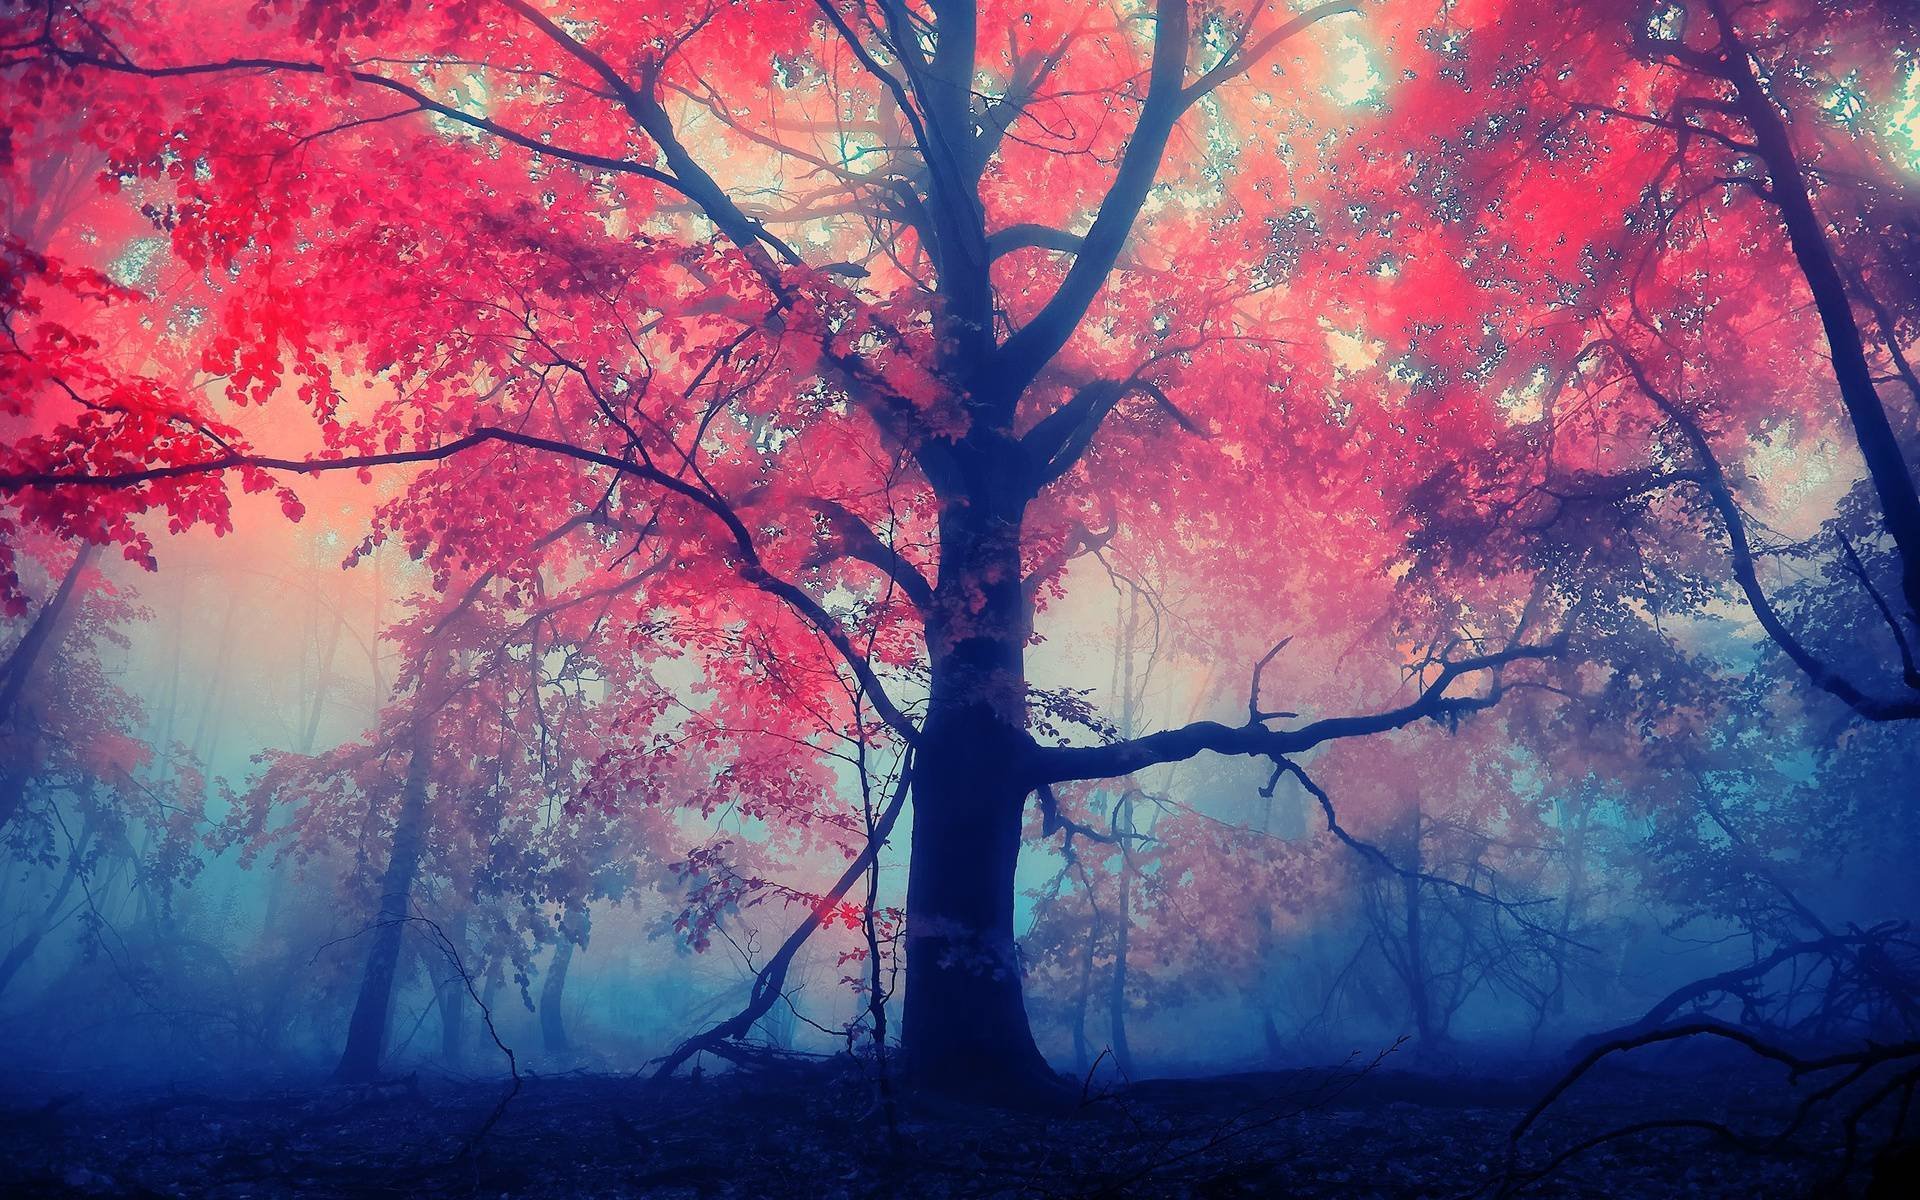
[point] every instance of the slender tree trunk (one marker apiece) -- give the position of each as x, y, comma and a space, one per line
1263, 921
1270, 1034
1123, 928
1418, 999
877, 981
24, 949
17, 733
1082, 1053
451, 996
1575, 841
323, 686
367, 1031
1807, 233
206, 730
1123, 829
490, 995
574, 928
964, 1029
1419, 990
40, 635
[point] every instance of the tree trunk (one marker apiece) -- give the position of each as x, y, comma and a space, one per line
24, 949
553, 1026
1270, 1034
1123, 928
1418, 999
1123, 830
367, 1031
20, 664
964, 1030
18, 736
1419, 989
452, 997
1807, 234
574, 927
1082, 1055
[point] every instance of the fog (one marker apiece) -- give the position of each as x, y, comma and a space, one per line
925, 598
151, 944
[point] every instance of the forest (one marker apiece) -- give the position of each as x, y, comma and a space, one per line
875, 598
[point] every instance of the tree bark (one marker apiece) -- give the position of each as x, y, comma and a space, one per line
964, 1027
367, 1031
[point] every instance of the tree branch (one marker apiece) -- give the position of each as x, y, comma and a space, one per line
751, 569
861, 543
426, 103
1024, 354
768, 981
1713, 481
1058, 764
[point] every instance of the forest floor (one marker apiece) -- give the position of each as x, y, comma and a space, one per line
820, 1133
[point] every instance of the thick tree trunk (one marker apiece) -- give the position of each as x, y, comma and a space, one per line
367, 1031
964, 1029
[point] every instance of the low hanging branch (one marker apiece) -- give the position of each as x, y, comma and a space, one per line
1867, 954
772, 978
1842, 1072
1852, 1085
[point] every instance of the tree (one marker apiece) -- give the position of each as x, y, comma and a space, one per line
1751, 307
882, 315
85, 795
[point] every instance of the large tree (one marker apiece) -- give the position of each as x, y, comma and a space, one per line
878, 316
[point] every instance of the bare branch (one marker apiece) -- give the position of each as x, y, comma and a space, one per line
1057, 764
